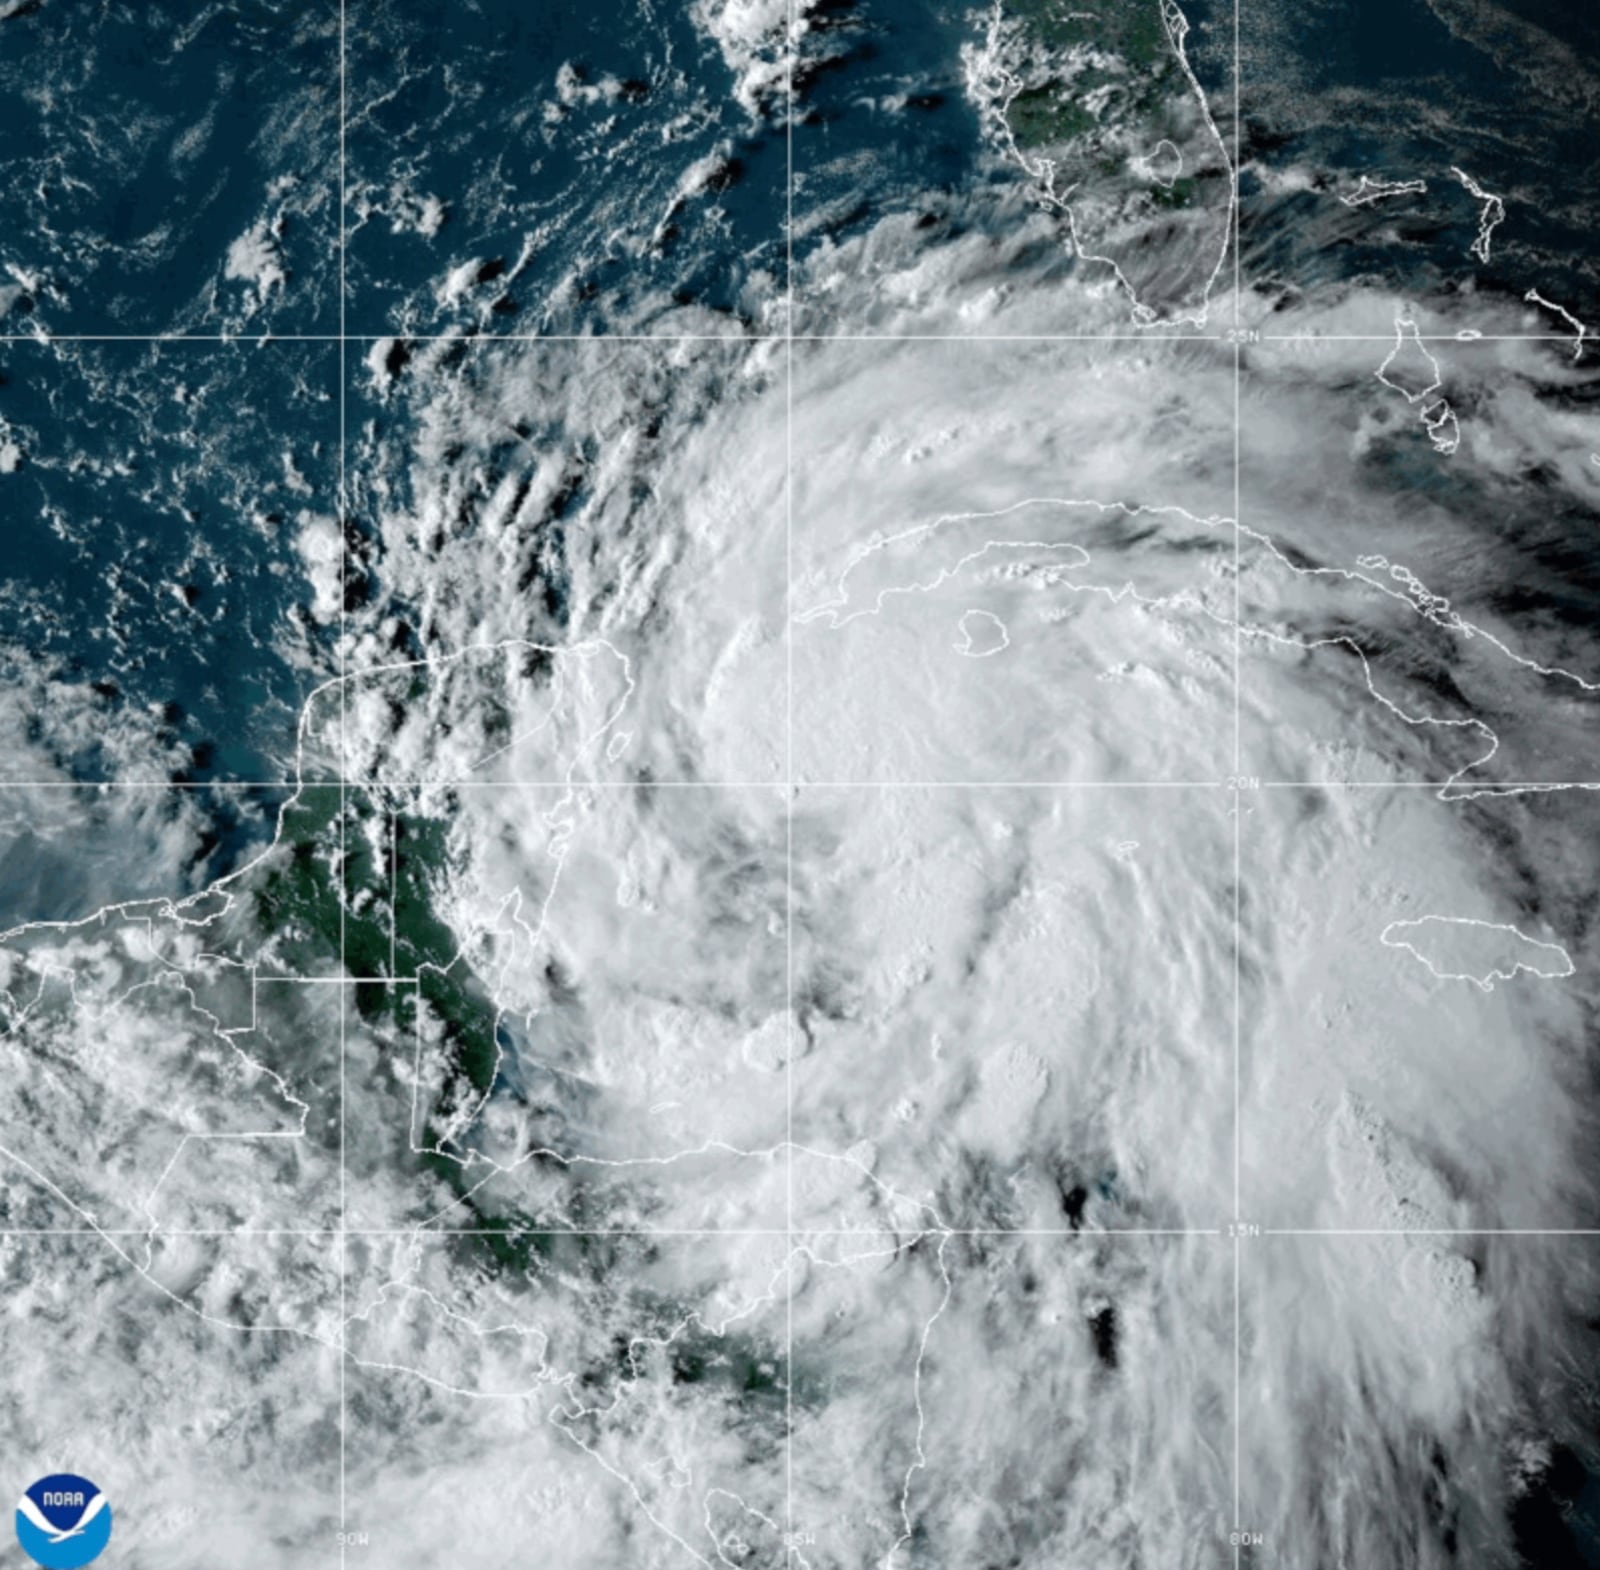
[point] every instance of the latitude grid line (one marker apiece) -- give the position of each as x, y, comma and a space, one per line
1466, 788
472, 338
444, 1234
1084, 1234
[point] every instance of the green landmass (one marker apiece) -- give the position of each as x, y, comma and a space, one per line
1130, 28
1179, 194
350, 885
1043, 116
1131, 33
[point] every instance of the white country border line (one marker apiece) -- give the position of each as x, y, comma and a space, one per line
167, 908
833, 608
1042, 169
1370, 190
1490, 215
890, 1196
1533, 297
170, 971
1412, 593
1562, 965
545, 1377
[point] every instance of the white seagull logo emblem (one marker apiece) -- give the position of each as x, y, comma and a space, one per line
61, 1534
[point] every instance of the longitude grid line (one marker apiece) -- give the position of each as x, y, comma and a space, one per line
791, 45
344, 765
1238, 762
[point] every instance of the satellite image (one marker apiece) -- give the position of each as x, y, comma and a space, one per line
800, 784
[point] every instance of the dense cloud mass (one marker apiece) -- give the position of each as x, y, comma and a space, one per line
933, 911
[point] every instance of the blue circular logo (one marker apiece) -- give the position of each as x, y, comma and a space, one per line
63, 1521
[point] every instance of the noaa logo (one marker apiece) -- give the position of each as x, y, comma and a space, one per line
63, 1521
